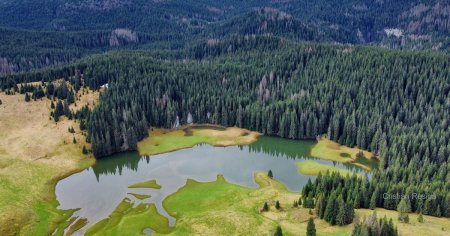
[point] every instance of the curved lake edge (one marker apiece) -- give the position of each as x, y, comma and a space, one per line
214, 135
237, 146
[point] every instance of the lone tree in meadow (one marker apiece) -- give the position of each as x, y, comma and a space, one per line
270, 174
27, 97
277, 205
311, 228
420, 218
278, 231
85, 151
403, 208
265, 207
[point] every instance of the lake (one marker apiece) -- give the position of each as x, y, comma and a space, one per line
97, 190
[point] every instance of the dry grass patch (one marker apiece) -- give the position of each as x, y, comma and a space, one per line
329, 150
35, 153
168, 140
431, 225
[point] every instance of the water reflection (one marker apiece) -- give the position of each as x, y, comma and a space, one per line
99, 189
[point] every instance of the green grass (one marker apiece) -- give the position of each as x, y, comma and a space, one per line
164, 140
140, 196
79, 223
313, 168
146, 184
215, 208
129, 220
29, 170
222, 208
329, 150
28, 202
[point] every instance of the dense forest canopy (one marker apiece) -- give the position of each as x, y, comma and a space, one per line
363, 73
61, 30
395, 104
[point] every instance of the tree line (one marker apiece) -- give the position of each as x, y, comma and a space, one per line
392, 103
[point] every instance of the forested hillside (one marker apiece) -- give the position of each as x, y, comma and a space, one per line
44, 33
395, 104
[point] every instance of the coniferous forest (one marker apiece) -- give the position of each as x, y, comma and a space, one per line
368, 74
395, 104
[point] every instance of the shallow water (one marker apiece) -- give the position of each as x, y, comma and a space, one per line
99, 189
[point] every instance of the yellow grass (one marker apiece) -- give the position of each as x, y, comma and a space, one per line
329, 150
34, 154
313, 168
85, 97
430, 226
167, 140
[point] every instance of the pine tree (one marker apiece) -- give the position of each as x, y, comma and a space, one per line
85, 151
406, 219
295, 204
341, 215
403, 209
311, 228
420, 218
270, 174
27, 97
331, 210
278, 231
277, 205
74, 141
266, 207
373, 201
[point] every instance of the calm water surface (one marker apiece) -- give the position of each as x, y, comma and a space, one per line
97, 190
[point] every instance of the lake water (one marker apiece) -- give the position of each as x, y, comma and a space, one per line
97, 190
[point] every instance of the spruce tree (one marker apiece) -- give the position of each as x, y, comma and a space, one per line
277, 205
265, 207
341, 215
27, 97
403, 209
373, 201
270, 174
331, 210
278, 231
311, 228
85, 151
420, 218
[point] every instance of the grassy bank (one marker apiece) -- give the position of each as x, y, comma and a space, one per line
221, 208
147, 184
131, 220
313, 168
165, 140
35, 153
329, 150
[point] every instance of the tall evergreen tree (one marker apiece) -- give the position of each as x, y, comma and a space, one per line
311, 228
